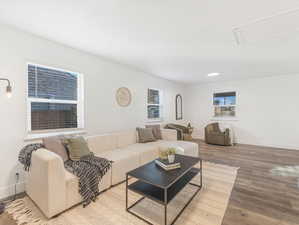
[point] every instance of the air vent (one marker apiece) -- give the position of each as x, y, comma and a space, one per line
279, 27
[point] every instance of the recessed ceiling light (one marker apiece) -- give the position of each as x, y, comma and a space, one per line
213, 74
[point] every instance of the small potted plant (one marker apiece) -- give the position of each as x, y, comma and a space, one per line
163, 155
171, 155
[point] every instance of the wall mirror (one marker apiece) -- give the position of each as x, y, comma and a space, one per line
123, 97
179, 107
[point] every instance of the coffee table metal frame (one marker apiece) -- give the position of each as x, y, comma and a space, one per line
165, 202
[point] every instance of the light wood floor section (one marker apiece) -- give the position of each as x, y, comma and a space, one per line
258, 197
207, 208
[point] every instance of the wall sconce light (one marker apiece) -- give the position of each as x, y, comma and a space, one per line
8, 87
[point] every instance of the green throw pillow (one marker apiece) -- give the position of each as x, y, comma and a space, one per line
77, 147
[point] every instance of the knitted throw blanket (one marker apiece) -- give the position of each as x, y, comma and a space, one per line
25, 154
89, 169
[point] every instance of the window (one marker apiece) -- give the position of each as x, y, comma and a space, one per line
154, 104
55, 99
224, 104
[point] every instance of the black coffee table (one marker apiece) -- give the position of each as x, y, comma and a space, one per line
162, 186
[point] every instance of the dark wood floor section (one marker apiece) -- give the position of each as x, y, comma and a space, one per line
258, 197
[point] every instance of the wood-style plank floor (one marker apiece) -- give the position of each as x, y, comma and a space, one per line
258, 197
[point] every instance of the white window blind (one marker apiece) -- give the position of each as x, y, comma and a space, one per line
55, 99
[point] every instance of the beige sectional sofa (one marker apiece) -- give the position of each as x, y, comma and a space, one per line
54, 189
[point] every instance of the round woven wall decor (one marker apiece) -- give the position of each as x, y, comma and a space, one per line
123, 97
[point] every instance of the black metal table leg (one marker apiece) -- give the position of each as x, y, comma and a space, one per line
127, 192
165, 206
200, 172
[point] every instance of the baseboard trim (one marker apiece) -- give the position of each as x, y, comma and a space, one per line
8, 191
275, 147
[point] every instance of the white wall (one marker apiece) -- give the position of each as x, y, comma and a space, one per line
101, 77
267, 109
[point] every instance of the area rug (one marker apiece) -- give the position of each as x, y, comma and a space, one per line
207, 208
287, 171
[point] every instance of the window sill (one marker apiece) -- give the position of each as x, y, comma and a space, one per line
36, 136
225, 119
155, 121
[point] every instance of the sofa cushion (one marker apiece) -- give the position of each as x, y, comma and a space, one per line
117, 154
190, 148
72, 183
156, 131
126, 138
145, 135
140, 148
77, 147
102, 143
147, 152
54, 144
123, 162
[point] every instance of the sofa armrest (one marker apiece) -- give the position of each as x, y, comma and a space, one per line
46, 182
169, 134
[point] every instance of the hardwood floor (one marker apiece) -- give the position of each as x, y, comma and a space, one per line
5, 220
258, 197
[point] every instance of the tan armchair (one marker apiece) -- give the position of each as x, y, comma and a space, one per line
213, 135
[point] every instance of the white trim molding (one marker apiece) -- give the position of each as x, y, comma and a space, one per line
36, 136
8, 191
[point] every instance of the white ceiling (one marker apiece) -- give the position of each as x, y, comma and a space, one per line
180, 40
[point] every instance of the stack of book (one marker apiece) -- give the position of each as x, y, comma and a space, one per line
166, 165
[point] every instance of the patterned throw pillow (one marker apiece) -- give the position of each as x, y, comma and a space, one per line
156, 131
77, 147
145, 135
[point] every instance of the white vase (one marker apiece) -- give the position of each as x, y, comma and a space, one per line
171, 158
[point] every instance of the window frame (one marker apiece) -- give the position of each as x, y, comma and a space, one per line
221, 105
160, 105
79, 102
